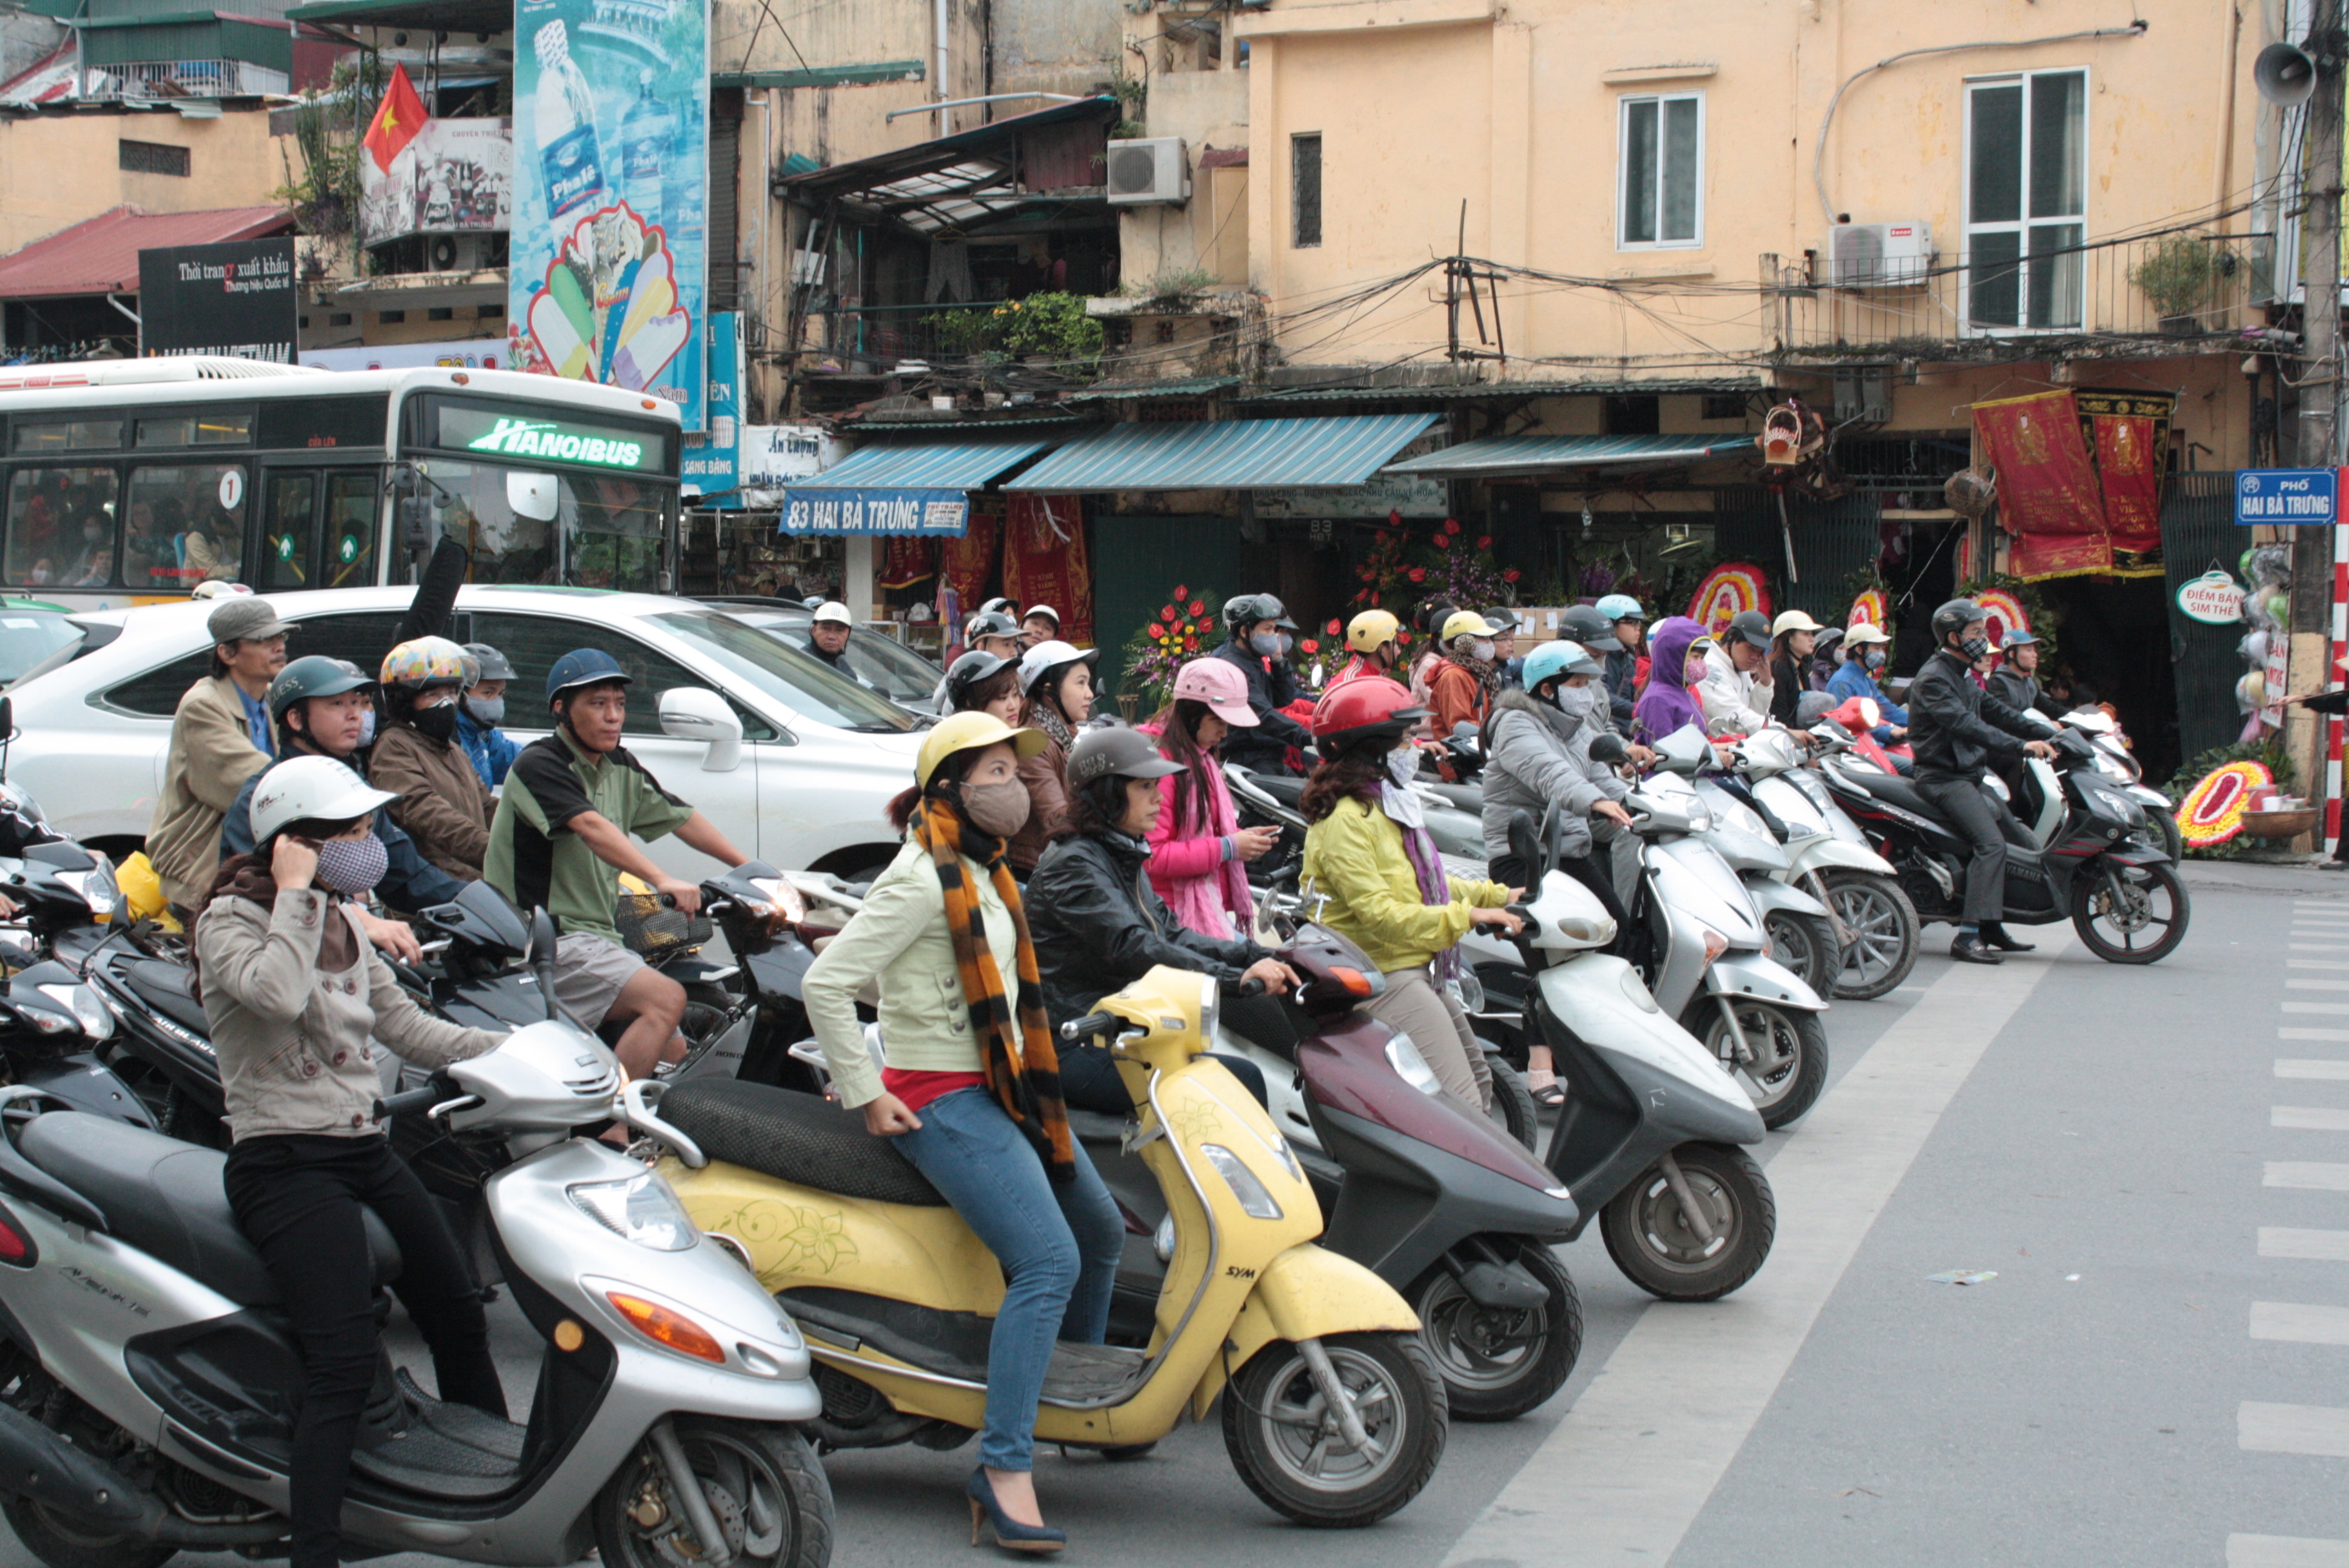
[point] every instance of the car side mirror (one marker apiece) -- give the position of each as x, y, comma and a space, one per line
1608, 748
697, 713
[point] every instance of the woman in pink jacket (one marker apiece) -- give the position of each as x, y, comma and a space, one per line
1198, 850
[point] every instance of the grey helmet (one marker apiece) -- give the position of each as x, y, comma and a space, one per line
1127, 753
493, 664
1954, 617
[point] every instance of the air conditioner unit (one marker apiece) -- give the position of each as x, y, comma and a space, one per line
1880, 255
1152, 169
457, 252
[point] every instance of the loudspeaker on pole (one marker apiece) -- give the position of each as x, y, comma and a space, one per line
2284, 75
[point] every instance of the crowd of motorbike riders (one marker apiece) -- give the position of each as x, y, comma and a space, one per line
1048, 860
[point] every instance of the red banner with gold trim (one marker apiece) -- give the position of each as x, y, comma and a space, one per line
2127, 431
2049, 497
1044, 560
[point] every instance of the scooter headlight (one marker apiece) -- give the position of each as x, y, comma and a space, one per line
1402, 1055
96, 887
640, 1208
1253, 1199
87, 1009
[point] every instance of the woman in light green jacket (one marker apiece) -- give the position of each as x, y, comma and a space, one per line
1369, 852
971, 1094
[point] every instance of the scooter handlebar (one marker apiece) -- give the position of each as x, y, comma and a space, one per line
1089, 1025
414, 1100
1251, 987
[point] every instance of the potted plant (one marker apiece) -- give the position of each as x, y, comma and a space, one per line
2178, 276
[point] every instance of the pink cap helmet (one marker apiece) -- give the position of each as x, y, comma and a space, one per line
1219, 684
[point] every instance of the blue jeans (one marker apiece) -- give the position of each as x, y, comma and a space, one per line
1058, 1245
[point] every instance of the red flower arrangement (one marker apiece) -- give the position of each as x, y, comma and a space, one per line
1185, 630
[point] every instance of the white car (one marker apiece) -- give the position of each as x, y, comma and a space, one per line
793, 763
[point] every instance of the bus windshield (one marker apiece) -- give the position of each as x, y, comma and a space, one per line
575, 529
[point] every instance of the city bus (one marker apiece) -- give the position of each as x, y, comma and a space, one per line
133, 481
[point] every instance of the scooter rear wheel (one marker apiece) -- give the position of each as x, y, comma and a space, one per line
1805, 943
1884, 930
1287, 1447
1500, 1362
1649, 1235
763, 1485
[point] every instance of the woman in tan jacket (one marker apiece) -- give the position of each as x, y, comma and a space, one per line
296, 997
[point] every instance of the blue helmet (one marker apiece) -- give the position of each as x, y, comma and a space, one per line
583, 667
1561, 657
2016, 637
1620, 607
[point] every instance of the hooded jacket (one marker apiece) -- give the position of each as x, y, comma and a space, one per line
1535, 754
1667, 704
1735, 701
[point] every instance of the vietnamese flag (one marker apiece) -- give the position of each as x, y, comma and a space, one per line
397, 123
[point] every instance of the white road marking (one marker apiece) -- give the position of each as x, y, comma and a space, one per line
2332, 1007
2299, 1325
2307, 1174
2285, 1552
2316, 984
2315, 1246
2312, 964
2312, 1067
2319, 946
2310, 1118
2319, 1429
1622, 1477
2335, 1036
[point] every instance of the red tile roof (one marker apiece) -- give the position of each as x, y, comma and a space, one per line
101, 255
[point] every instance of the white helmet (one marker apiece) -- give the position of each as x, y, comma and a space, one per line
310, 790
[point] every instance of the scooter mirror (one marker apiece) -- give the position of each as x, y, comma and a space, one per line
1526, 844
542, 958
1608, 748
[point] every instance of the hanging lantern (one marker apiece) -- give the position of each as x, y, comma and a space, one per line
1782, 436
1971, 492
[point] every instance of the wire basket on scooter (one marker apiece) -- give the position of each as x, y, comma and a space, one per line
649, 924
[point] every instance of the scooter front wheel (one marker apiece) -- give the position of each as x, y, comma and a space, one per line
1883, 927
1781, 1060
2130, 915
1289, 1446
1513, 1111
1805, 943
1498, 1362
765, 1491
1653, 1240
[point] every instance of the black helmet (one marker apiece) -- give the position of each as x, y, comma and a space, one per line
314, 676
1586, 623
1954, 617
966, 674
1127, 753
990, 624
1248, 609
1753, 625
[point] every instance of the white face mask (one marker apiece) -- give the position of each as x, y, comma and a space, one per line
1402, 765
1575, 700
1481, 649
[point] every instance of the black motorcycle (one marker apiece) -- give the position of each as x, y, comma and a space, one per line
2121, 893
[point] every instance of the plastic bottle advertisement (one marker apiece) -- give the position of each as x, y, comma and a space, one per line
610, 194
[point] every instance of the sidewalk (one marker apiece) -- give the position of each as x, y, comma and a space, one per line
2297, 877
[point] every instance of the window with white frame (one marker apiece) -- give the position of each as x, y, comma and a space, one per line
1661, 165
2026, 201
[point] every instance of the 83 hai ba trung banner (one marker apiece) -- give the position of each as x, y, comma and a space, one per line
611, 192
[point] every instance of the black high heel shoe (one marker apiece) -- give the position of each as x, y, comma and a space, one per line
1009, 1534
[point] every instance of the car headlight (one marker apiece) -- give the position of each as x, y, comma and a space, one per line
1402, 1055
1250, 1194
87, 1009
640, 1208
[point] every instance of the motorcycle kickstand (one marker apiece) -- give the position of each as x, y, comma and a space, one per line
1689, 1209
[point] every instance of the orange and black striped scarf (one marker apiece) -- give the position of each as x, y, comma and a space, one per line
1023, 1069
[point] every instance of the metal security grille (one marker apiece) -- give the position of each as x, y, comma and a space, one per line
1305, 189
153, 158
2197, 532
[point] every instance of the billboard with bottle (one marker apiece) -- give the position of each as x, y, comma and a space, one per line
611, 192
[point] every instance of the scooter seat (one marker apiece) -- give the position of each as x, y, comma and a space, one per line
796, 1138
165, 987
167, 1199
1895, 790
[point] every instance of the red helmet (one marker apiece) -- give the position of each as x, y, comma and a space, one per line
1360, 711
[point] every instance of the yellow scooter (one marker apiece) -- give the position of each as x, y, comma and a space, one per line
1336, 1415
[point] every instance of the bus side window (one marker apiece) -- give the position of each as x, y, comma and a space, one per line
61, 527
288, 533
187, 526
354, 517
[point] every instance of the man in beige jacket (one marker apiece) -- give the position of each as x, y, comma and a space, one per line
220, 737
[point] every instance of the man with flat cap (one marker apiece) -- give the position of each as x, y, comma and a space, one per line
221, 736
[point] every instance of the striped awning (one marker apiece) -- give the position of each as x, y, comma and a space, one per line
1496, 456
1227, 454
925, 465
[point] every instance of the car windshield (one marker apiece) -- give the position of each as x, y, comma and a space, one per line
29, 638
792, 678
881, 662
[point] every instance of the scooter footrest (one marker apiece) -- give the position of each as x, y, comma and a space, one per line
1090, 1375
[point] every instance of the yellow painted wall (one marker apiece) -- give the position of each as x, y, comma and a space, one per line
1424, 103
58, 169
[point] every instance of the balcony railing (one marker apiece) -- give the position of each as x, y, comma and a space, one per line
2175, 287
184, 79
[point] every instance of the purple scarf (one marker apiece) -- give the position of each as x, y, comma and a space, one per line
1403, 809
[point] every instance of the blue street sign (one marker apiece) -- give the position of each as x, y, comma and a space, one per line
2287, 495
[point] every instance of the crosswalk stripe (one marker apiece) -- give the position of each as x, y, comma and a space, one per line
2310, 1118
2334, 1036
2316, 984
2318, 1430
2312, 964
2312, 1067
2285, 1552
2313, 1246
2300, 1325
2319, 946
2312, 1175
2331, 1007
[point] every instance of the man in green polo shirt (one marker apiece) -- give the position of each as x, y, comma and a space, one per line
562, 837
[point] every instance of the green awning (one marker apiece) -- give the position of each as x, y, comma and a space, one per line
925, 465
1496, 457
1228, 454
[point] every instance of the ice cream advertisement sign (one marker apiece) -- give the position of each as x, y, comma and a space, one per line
611, 160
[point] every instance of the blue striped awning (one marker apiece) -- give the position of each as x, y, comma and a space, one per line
924, 465
1499, 455
1227, 454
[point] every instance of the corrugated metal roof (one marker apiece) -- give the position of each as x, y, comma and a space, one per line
1499, 455
923, 465
1227, 454
1188, 386
1503, 389
101, 255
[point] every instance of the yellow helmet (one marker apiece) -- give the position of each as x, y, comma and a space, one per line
1366, 631
970, 731
1467, 624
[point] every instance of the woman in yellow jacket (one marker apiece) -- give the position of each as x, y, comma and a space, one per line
1369, 852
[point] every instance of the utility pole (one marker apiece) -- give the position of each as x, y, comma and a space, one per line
2320, 189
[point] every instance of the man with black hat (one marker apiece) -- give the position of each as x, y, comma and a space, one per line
2015, 682
1735, 692
220, 738
1254, 622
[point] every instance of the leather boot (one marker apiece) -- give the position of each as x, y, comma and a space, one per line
1995, 935
1974, 950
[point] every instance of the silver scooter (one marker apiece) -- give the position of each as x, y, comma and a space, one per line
152, 1374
